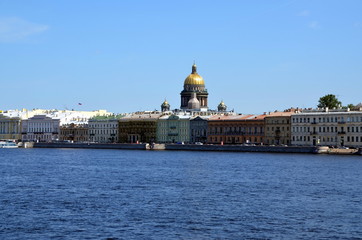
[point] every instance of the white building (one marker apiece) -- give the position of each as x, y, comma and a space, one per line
40, 128
65, 116
327, 127
103, 131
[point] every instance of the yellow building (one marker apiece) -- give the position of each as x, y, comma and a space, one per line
278, 128
10, 128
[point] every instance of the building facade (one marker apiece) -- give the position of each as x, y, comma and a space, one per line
198, 129
103, 130
327, 127
138, 127
10, 128
239, 129
40, 128
173, 129
278, 128
74, 132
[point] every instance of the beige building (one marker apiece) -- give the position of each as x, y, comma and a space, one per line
278, 128
103, 130
326, 127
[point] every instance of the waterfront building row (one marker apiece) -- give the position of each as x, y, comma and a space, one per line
301, 128
292, 127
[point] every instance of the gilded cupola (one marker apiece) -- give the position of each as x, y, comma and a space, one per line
194, 78
165, 106
221, 107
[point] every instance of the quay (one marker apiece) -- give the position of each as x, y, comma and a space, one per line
206, 147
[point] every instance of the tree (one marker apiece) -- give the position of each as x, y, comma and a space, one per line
351, 106
329, 101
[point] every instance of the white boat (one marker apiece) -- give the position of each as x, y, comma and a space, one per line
8, 144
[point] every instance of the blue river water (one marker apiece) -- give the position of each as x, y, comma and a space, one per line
117, 194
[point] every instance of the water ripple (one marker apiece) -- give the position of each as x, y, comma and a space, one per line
107, 194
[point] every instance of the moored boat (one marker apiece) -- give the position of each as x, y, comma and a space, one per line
8, 144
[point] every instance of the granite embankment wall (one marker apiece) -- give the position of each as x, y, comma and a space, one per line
236, 148
92, 145
182, 147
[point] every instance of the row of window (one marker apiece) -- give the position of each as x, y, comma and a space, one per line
41, 130
237, 129
327, 139
326, 129
326, 119
269, 121
181, 124
236, 140
277, 128
181, 130
102, 131
103, 125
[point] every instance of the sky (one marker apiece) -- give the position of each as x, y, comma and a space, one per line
126, 56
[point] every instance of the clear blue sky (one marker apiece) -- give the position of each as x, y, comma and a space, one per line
126, 56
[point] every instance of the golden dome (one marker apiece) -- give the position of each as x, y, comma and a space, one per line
194, 78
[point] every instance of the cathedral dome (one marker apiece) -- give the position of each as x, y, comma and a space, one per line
194, 78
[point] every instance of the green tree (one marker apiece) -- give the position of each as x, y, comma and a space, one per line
351, 106
329, 101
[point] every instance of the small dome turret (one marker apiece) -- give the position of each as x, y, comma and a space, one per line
221, 107
165, 106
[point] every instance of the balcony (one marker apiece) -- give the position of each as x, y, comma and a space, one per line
342, 132
313, 122
172, 134
341, 122
314, 133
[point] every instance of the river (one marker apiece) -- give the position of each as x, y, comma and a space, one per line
130, 194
